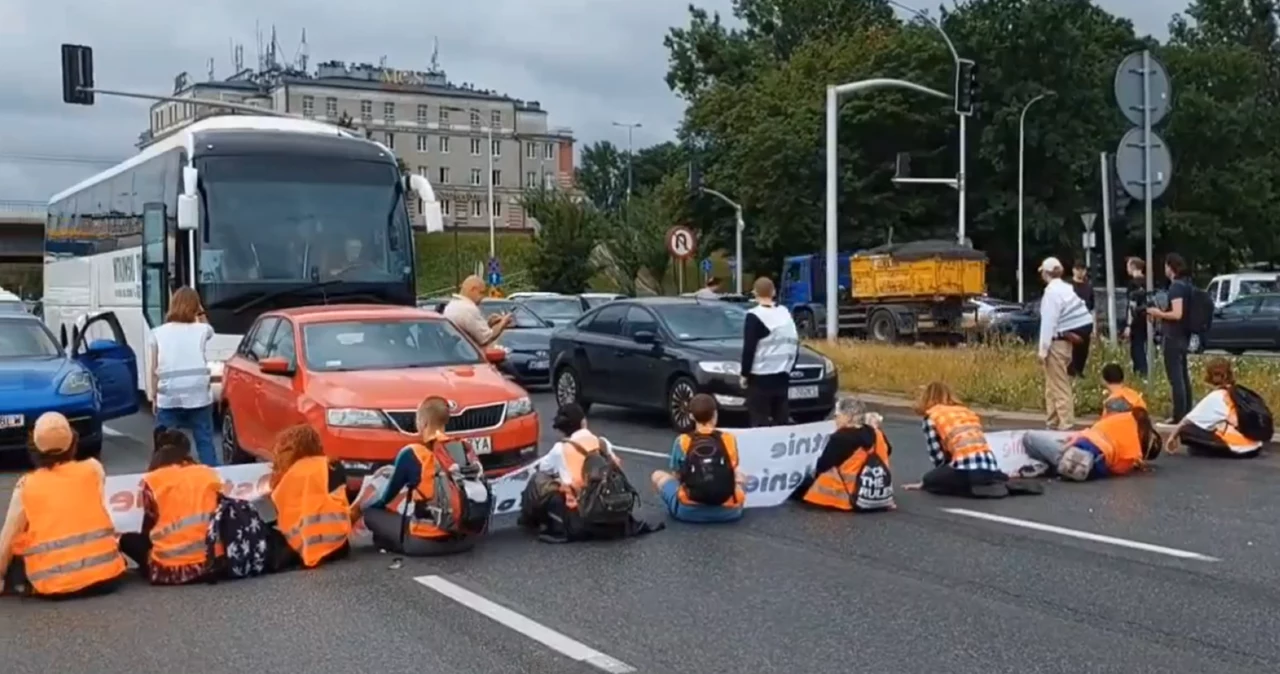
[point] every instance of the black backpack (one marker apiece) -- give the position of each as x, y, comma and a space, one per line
707, 474
1253, 417
607, 497
243, 534
1198, 313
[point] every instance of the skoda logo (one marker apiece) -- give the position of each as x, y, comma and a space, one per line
541, 354
453, 405
797, 374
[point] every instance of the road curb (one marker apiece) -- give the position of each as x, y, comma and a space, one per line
1034, 420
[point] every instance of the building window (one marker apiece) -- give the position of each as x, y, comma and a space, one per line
331, 107
422, 115
366, 110
495, 147
495, 119
475, 147
531, 179
422, 171
444, 175
549, 151
422, 143
475, 176
444, 117
391, 140
444, 145
308, 106
477, 208
548, 181
497, 208
446, 207
389, 112
475, 118
497, 178
531, 150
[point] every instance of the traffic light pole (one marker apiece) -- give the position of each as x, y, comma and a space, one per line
960, 181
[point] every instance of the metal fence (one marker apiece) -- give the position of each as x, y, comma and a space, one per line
14, 208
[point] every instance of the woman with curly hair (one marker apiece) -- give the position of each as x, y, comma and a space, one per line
1212, 427
309, 493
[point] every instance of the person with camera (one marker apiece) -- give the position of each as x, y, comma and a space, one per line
1175, 334
1136, 325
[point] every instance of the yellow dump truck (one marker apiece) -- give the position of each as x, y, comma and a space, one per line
889, 293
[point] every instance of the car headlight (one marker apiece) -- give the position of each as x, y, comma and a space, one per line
76, 383
519, 407
828, 367
721, 367
346, 417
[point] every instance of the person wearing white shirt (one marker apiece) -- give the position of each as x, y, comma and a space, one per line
178, 375
711, 291
1064, 321
464, 312
1212, 427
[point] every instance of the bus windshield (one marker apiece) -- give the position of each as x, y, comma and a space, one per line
279, 220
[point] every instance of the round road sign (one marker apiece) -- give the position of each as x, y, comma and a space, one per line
681, 242
1128, 88
1129, 164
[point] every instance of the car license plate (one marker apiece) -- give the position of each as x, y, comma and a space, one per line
802, 392
482, 444
539, 365
11, 420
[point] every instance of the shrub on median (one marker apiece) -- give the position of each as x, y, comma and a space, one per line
1008, 376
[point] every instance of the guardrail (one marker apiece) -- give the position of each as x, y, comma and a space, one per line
18, 208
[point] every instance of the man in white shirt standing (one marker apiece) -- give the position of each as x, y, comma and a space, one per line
464, 312
1064, 321
770, 344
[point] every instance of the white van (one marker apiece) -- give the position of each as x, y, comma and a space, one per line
1227, 288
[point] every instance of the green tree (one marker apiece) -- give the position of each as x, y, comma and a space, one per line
636, 241
569, 230
602, 175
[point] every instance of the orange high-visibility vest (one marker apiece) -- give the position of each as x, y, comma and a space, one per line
429, 490
186, 499
960, 431
314, 520
730, 448
69, 543
1228, 431
1124, 399
1116, 436
574, 461
837, 488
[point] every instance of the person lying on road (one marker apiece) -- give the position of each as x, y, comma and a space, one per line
58, 539
1120, 398
852, 473
703, 483
309, 495
1116, 445
964, 464
1212, 427
425, 509
579, 491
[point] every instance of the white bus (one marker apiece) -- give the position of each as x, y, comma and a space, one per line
255, 212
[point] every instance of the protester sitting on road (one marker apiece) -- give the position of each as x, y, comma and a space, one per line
1212, 427
1120, 398
852, 473
464, 312
1116, 445
703, 483
579, 491
425, 510
58, 539
309, 494
179, 500
964, 464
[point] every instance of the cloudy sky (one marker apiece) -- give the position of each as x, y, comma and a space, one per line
589, 62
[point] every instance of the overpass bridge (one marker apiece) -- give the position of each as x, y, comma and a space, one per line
22, 231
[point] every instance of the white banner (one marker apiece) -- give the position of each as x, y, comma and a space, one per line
775, 460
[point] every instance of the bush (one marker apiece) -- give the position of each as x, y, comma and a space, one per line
1009, 377
439, 267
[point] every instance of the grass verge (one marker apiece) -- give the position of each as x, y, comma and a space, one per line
1009, 377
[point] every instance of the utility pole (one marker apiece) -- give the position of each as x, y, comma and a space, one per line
1022, 152
493, 237
630, 127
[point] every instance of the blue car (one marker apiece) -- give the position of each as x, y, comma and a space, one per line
95, 382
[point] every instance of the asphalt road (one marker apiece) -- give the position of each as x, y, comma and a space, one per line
924, 589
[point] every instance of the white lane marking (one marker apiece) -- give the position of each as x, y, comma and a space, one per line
111, 432
641, 452
540, 633
1083, 535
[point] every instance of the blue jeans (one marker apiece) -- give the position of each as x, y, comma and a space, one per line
199, 422
697, 514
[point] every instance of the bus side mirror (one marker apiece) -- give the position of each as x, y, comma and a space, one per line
431, 211
188, 212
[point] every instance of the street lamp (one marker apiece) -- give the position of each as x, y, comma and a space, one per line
630, 127
962, 189
739, 226
834, 93
1022, 151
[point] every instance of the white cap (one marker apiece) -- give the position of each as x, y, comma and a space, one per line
1051, 264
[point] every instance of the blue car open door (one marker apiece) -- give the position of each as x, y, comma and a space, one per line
114, 367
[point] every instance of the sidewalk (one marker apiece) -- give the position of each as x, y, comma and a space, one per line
1029, 420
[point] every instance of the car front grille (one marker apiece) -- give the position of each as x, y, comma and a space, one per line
806, 373
471, 419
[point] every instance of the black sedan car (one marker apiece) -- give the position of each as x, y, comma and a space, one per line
557, 309
656, 353
1251, 323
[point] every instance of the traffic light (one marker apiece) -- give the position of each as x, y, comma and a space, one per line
695, 178
966, 87
77, 74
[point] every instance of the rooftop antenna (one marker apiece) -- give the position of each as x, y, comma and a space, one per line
382, 63
435, 54
257, 29
239, 58
273, 50
210, 68
303, 52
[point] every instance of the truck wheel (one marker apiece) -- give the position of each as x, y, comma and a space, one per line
805, 324
882, 328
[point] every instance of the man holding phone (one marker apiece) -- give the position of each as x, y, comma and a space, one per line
464, 312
